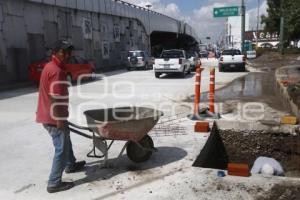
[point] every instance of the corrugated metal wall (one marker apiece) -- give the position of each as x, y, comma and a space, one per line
119, 8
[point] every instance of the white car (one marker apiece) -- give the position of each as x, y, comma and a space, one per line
232, 60
251, 54
172, 61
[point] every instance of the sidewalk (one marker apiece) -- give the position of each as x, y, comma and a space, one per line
15, 86
287, 79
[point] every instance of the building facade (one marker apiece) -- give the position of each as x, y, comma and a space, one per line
263, 39
234, 31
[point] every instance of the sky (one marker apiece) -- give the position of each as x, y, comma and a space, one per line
199, 13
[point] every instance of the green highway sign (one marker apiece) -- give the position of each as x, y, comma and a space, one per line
226, 11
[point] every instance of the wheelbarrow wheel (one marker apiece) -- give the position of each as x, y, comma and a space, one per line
138, 154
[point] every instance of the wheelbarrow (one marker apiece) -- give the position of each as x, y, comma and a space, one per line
130, 124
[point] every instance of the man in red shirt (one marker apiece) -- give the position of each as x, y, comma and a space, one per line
52, 112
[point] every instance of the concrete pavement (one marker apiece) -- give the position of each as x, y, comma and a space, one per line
26, 149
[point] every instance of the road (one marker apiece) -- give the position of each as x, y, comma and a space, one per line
113, 88
26, 149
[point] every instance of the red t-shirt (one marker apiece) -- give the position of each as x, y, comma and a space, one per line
50, 84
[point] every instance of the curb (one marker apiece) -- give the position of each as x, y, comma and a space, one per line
16, 86
287, 100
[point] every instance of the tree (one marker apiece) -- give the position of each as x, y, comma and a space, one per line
292, 17
291, 13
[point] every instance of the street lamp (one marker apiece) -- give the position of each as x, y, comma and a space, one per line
148, 6
149, 37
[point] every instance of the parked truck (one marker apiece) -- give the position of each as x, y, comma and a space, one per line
172, 61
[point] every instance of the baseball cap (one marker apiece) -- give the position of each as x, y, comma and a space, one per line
62, 44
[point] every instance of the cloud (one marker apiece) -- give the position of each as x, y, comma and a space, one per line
202, 19
170, 9
253, 15
143, 3
204, 23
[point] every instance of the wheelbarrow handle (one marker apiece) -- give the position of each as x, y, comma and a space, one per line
72, 126
78, 127
80, 133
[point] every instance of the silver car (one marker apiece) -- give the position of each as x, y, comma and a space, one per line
139, 59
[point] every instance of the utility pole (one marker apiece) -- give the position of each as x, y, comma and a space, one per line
243, 25
230, 36
149, 39
281, 28
226, 34
257, 25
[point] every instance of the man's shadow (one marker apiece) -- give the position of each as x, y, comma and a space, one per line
163, 156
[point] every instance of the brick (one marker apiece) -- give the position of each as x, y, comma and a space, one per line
285, 83
202, 127
289, 120
237, 169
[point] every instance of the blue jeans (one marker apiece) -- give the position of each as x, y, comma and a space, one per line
63, 157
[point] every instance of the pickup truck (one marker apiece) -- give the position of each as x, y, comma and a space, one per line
232, 59
172, 61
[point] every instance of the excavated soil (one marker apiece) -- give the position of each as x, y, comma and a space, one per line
273, 60
246, 146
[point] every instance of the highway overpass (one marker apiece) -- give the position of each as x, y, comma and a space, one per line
101, 30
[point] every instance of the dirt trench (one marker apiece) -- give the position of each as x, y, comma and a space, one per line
232, 146
246, 146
